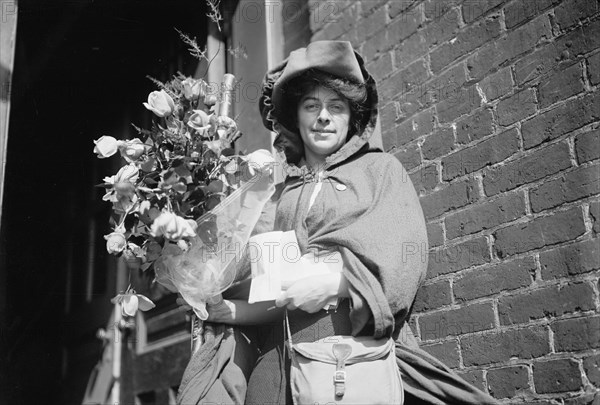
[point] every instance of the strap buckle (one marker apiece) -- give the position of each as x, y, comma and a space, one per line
339, 376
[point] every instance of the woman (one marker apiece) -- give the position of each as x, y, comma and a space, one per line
342, 195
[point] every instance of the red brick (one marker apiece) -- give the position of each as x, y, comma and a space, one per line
523, 39
517, 12
571, 11
584, 39
508, 381
502, 51
579, 183
475, 126
563, 51
398, 6
388, 138
539, 232
471, 38
483, 282
367, 7
481, 62
457, 257
453, 196
438, 143
560, 120
587, 146
404, 25
550, 301
561, 85
485, 216
595, 215
448, 85
556, 376
593, 68
371, 24
473, 9
322, 13
433, 296
473, 377
435, 9
334, 19
541, 63
460, 103
409, 50
375, 45
586, 399
497, 85
380, 67
416, 99
442, 30
425, 179
446, 352
409, 156
488, 152
516, 107
591, 365
576, 334
454, 322
435, 234
387, 115
527, 169
418, 125
403, 81
577, 258
494, 347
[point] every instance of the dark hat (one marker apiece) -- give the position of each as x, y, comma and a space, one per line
333, 57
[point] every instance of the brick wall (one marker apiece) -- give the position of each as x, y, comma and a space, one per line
493, 108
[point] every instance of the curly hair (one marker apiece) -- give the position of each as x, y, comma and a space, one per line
355, 93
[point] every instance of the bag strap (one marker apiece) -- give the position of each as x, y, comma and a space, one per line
287, 334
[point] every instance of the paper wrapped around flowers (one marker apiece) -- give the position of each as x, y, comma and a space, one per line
210, 264
276, 261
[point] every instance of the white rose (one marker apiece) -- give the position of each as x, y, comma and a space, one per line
259, 161
132, 150
192, 89
115, 242
130, 303
123, 183
173, 227
160, 103
200, 121
106, 146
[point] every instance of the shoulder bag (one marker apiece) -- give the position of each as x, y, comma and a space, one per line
344, 370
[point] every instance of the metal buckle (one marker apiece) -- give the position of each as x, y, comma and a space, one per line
339, 376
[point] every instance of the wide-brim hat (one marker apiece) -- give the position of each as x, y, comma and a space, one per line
334, 57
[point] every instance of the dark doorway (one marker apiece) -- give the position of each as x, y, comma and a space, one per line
80, 73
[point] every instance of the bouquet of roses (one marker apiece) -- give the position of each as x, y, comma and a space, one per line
184, 203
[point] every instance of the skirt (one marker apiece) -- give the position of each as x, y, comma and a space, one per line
268, 383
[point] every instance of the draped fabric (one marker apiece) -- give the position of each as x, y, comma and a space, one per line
368, 210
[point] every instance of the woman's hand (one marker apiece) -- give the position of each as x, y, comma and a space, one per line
222, 312
312, 293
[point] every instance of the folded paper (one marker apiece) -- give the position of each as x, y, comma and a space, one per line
276, 262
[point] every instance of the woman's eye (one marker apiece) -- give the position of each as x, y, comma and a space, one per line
311, 107
337, 108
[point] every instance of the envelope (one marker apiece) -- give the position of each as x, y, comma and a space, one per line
275, 260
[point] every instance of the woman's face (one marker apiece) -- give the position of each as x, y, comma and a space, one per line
323, 119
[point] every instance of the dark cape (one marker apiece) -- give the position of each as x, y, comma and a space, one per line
367, 210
